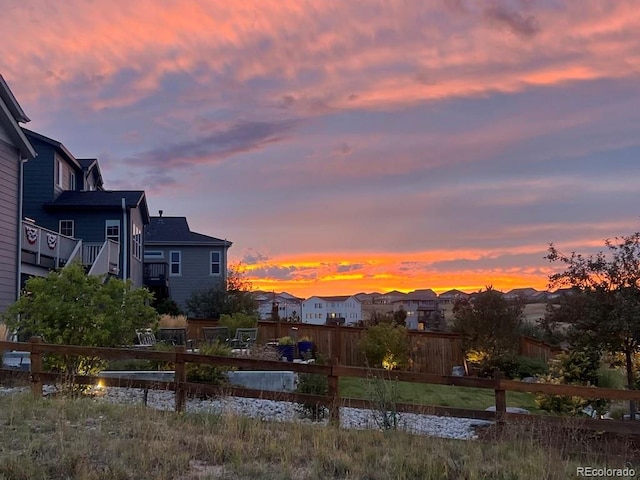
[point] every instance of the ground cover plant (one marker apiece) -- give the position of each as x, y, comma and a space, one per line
83, 439
443, 395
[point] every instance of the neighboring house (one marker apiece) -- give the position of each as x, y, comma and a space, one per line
179, 262
421, 307
289, 306
341, 309
15, 150
66, 202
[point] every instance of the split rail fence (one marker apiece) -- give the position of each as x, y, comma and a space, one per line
180, 357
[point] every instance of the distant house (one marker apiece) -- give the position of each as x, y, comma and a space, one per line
450, 296
179, 262
343, 309
422, 308
15, 150
65, 199
288, 306
522, 293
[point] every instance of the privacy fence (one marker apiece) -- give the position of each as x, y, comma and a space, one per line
435, 353
333, 372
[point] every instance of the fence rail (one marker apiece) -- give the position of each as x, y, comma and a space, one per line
180, 357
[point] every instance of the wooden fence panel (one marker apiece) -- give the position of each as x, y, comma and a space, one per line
431, 352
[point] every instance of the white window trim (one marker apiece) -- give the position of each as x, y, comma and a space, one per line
136, 241
211, 262
73, 227
112, 223
153, 254
59, 173
171, 263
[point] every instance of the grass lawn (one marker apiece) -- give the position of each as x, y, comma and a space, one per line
442, 395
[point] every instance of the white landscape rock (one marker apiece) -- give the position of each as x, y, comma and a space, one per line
270, 410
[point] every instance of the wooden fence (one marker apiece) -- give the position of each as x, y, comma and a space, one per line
180, 357
431, 352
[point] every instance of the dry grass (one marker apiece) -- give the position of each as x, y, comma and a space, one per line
82, 439
170, 321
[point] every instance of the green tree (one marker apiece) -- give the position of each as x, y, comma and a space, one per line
608, 295
488, 325
234, 296
72, 308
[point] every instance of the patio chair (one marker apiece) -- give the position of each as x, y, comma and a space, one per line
146, 338
245, 338
173, 336
216, 334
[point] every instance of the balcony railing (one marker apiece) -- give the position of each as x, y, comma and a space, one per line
46, 248
102, 257
156, 274
51, 250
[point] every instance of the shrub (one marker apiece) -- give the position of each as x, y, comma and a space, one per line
387, 346
313, 384
579, 367
211, 374
237, 320
531, 367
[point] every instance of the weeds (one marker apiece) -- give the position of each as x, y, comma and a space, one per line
84, 439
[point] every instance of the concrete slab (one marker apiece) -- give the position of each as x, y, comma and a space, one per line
275, 381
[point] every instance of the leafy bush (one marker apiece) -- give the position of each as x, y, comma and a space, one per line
237, 320
313, 384
387, 346
211, 374
579, 367
70, 307
531, 367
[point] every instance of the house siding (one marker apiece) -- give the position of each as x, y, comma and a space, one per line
195, 270
39, 182
9, 192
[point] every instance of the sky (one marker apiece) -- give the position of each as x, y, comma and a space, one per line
356, 146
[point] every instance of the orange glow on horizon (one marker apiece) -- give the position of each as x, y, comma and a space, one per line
384, 272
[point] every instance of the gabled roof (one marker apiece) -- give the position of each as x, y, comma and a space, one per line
10, 115
54, 143
91, 165
101, 200
452, 293
175, 230
335, 298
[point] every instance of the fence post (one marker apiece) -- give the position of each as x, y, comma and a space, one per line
36, 367
501, 397
180, 377
334, 394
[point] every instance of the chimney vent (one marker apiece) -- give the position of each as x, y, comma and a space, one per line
160, 211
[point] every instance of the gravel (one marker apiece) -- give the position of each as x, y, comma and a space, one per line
270, 410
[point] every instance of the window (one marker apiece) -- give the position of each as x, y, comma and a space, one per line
72, 181
153, 254
66, 228
214, 263
59, 173
175, 263
112, 230
136, 237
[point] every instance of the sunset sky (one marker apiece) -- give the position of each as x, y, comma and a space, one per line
348, 146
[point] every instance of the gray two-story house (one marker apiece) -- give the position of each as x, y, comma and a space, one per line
15, 150
65, 199
179, 262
